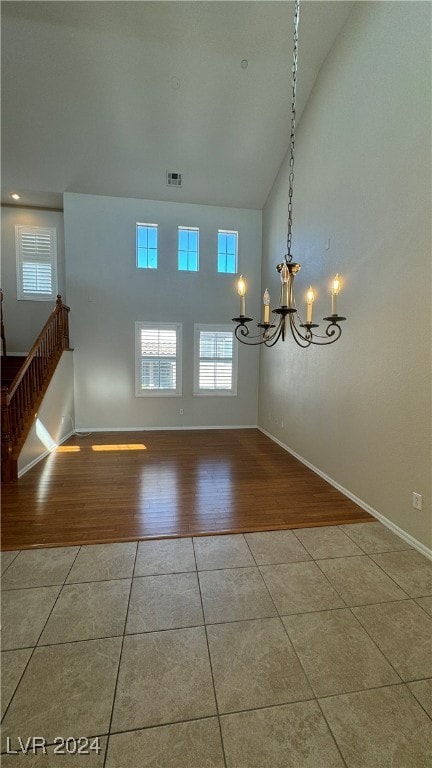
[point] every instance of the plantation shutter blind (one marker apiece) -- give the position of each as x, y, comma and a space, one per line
215, 360
36, 249
158, 358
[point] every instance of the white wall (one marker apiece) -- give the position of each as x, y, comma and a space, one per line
107, 294
360, 411
56, 415
25, 319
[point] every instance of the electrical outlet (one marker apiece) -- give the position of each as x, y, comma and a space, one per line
417, 501
181, 411
63, 418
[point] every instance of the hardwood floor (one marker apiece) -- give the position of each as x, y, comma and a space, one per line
135, 485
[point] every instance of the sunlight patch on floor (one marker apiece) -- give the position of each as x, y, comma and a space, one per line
122, 447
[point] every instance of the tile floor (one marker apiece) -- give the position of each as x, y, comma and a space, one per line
289, 649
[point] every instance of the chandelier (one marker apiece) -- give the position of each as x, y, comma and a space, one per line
286, 314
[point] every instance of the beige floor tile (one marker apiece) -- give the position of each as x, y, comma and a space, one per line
195, 744
382, 728
97, 562
327, 541
24, 613
12, 666
6, 558
66, 690
272, 547
87, 611
51, 759
422, 690
39, 567
164, 677
230, 551
336, 653
403, 632
234, 594
164, 556
254, 665
425, 603
411, 570
374, 537
299, 587
359, 580
171, 601
289, 736
166, 685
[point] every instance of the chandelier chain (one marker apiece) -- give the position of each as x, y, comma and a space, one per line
288, 257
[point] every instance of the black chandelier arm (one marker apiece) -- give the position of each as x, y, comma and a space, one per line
274, 338
301, 341
243, 334
337, 334
333, 332
242, 326
333, 320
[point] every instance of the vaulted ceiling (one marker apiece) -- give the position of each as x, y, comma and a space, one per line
106, 97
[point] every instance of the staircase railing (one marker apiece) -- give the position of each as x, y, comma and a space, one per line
19, 400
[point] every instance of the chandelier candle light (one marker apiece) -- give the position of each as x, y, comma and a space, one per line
270, 332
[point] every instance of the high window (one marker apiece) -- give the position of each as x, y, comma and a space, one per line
157, 359
188, 247
227, 251
36, 254
146, 246
215, 370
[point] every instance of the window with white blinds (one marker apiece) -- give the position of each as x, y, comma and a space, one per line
215, 371
158, 359
36, 253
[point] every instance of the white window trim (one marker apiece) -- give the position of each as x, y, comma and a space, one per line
229, 232
158, 392
21, 295
198, 328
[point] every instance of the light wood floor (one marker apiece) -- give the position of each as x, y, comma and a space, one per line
136, 485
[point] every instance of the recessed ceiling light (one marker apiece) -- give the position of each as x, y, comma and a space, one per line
15, 196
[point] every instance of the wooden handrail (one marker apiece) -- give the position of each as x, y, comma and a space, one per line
60, 310
19, 400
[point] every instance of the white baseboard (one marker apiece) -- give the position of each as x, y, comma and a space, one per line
42, 456
183, 428
384, 520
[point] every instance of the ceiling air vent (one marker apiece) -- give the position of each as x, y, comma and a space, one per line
174, 179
